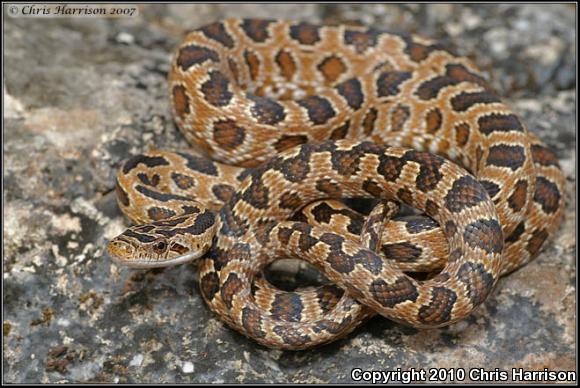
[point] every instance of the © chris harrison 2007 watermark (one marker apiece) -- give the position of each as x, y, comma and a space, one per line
72, 10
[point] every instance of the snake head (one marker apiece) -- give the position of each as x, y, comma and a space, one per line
168, 242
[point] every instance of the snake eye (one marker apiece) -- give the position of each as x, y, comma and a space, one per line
160, 246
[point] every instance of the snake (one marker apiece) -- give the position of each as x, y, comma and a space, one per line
291, 117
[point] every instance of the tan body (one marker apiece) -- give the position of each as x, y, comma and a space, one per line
245, 90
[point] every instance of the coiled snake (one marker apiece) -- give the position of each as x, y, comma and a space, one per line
331, 112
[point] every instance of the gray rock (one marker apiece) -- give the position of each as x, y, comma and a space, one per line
82, 94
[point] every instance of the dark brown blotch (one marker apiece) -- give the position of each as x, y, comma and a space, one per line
148, 161
389, 82
240, 252
223, 192
262, 231
284, 235
390, 167
405, 195
346, 162
352, 92
253, 63
492, 188
368, 123
433, 120
201, 224
547, 195
341, 262
369, 260
419, 51
209, 285
391, 294
322, 212
536, 241
544, 156
462, 132
234, 70
465, 100
218, 257
484, 234
292, 336
290, 200
180, 100
257, 194
287, 306
216, 31
158, 195
305, 33
416, 51
340, 132
399, 116
477, 280
319, 109
503, 155
266, 110
372, 188
404, 252
431, 208
295, 169
439, 309
361, 40
460, 73
195, 55
200, 164
328, 296
517, 200
429, 170
516, 233
497, 122
419, 224
286, 64
157, 213
256, 29
456, 255
331, 68
252, 322
228, 134
288, 141
184, 182
333, 327
232, 224
465, 192
430, 89
231, 287
454, 74
329, 187
216, 89
450, 228
306, 240
478, 155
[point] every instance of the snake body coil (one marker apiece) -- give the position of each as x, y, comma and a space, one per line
313, 108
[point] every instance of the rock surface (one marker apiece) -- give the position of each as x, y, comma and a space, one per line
82, 94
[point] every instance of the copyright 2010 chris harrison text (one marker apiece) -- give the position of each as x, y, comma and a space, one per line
414, 375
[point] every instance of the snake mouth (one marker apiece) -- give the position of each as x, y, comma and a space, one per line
123, 254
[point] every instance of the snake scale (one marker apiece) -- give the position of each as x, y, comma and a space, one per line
293, 117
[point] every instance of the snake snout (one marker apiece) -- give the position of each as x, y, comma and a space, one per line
120, 251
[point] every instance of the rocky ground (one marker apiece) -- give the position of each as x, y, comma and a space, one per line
82, 94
